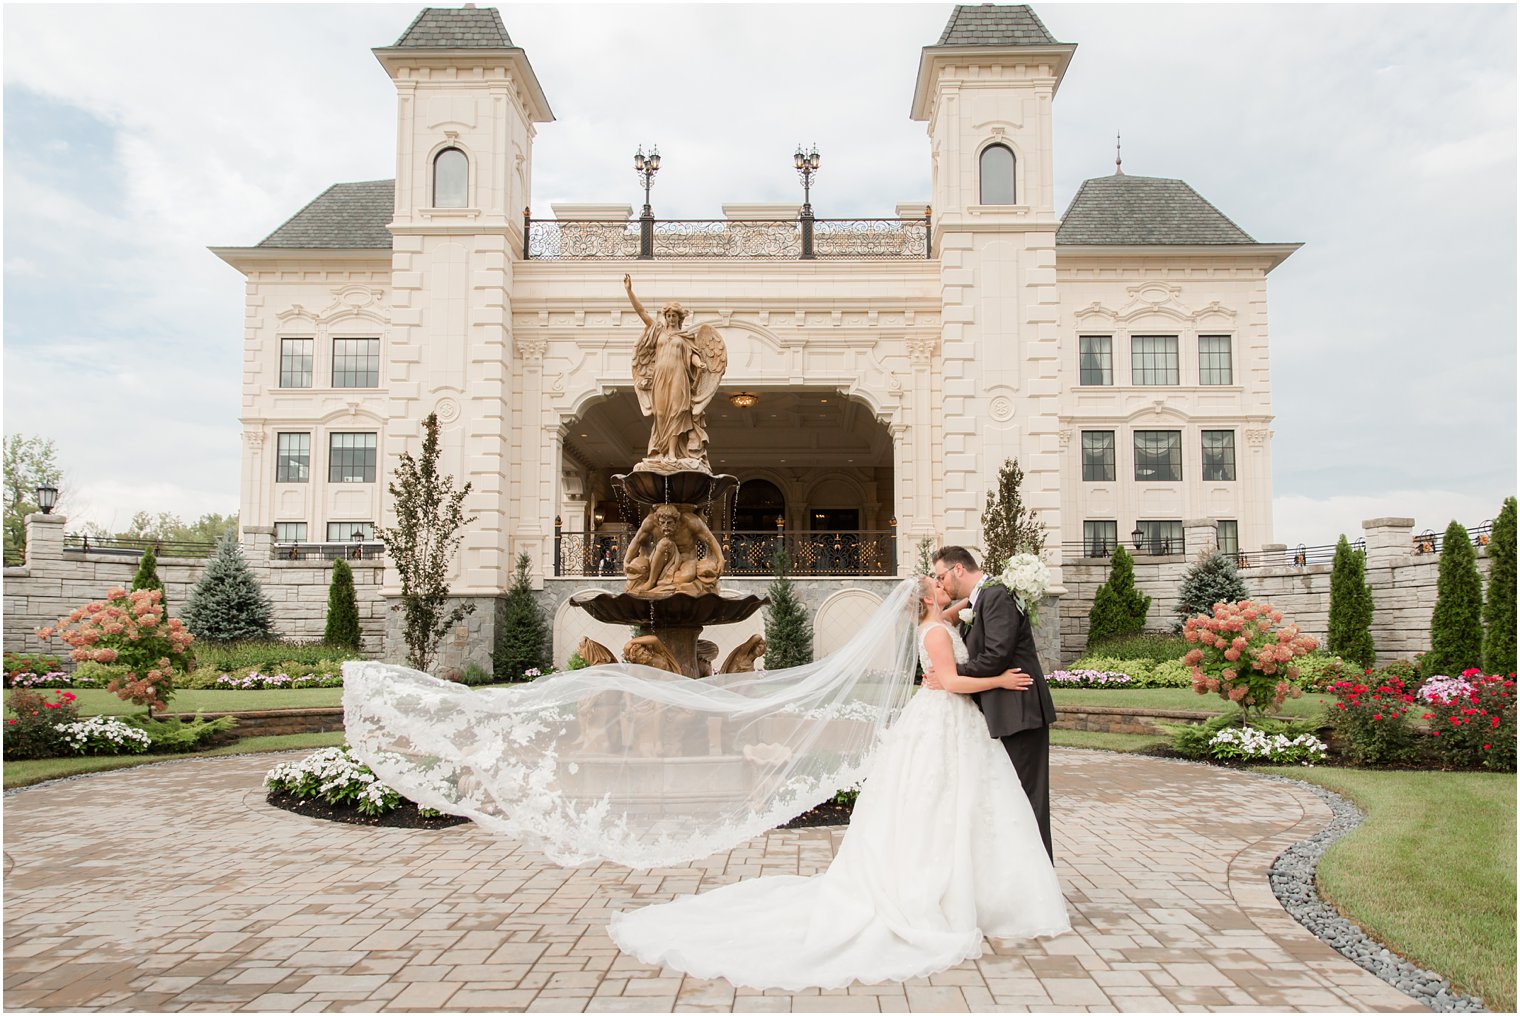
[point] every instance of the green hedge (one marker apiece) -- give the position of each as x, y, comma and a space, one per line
1145, 673
1158, 647
265, 653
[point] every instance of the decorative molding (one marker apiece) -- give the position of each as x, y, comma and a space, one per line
1064, 434
921, 350
254, 438
1001, 409
1256, 437
447, 409
531, 350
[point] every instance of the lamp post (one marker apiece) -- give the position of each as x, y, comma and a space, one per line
357, 538
1138, 535
646, 166
806, 164
47, 498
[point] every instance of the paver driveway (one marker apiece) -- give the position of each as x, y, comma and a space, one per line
176, 888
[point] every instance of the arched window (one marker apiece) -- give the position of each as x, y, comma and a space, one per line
997, 175
451, 179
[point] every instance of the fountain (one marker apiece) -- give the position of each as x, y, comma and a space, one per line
673, 562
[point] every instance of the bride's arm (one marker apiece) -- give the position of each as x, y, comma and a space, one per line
942, 665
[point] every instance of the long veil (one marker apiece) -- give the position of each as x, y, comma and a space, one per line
634, 765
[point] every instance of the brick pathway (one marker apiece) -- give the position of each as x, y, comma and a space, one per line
175, 888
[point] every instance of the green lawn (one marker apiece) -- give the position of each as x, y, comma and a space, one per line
1431, 872
1172, 698
93, 701
19, 774
1106, 741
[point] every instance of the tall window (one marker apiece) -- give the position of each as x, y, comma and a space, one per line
356, 363
1229, 536
292, 459
451, 179
295, 363
1099, 537
1219, 455
1096, 361
343, 532
1153, 360
351, 458
1098, 455
1214, 360
290, 532
1158, 455
997, 175
1164, 537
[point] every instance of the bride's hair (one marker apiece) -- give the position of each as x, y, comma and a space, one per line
924, 582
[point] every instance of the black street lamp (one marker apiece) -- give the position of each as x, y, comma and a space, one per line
1138, 535
47, 498
806, 164
646, 166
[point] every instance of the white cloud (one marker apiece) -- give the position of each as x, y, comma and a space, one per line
1318, 522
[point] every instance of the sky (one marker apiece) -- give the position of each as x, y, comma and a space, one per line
1383, 137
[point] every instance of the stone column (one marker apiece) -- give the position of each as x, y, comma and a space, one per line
1387, 538
44, 538
1200, 536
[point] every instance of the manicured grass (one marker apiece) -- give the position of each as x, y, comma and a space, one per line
1106, 741
20, 774
94, 701
1174, 698
1430, 873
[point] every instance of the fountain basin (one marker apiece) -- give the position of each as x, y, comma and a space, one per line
685, 487
678, 610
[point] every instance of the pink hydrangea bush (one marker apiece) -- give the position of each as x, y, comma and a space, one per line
130, 630
1243, 657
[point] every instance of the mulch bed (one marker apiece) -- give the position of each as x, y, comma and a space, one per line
826, 814
404, 817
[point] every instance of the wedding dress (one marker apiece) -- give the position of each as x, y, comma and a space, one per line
942, 849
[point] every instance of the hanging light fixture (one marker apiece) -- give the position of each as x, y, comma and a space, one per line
47, 498
744, 400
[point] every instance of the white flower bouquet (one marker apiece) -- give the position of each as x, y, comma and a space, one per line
1027, 578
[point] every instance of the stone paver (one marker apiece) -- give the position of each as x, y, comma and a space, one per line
176, 888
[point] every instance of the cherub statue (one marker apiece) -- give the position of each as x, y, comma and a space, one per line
707, 655
676, 374
649, 651
742, 659
594, 653
671, 564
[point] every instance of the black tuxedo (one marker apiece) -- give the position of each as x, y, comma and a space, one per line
1000, 637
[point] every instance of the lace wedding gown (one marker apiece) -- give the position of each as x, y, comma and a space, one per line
942, 849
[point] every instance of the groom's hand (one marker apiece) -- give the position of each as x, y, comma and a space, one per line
1021, 680
930, 682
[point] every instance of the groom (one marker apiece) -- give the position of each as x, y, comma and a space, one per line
1000, 637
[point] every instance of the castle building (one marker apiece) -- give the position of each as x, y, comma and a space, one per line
879, 370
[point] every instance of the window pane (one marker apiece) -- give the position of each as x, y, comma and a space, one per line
1229, 536
1219, 455
997, 175
1153, 360
1098, 455
356, 363
351, 458
1214, 360
343, 532
292, 460
1158, 455
1096, 360
451, 179
1160, 537
295, 363
289, 532
1099, 538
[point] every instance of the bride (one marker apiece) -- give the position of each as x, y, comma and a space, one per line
649, 769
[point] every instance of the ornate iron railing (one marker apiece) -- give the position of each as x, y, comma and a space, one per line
745, 553
130, 547
804, 238
369, 550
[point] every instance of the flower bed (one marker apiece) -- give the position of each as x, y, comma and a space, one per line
1143, 673
1089, 679
255, 681
1467, 722
1247, 744
336, 777
52, 679
103, 735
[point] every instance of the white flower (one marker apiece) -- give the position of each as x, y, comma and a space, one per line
967, 615
1026, 576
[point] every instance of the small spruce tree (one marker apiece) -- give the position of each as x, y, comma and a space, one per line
1118, 608
1499, 606
1350, 635
147, 578
1210, 579
788, 632
522, 638
342, 609
1009, 527
1456, 626
227, 603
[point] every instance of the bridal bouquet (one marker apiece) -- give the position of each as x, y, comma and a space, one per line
1027, 578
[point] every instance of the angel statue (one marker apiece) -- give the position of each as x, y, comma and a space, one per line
676, 374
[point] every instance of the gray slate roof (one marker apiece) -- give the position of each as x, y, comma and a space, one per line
1123, 209
456, 28
995, 25
346, 216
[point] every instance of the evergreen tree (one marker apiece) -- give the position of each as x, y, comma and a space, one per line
429, 517
1119, 608
1350, 606
227, 603
1499, 607
147, 578
1456, 627
1210, 579
788, 632
522, 638
342, 608
1009, 527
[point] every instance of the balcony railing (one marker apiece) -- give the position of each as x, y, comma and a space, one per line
83, 543
369, 550
746, 554
801, 239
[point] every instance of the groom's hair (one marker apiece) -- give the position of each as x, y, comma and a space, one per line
953, 556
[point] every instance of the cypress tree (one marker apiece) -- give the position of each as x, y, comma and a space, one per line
1211, 579
1119, 608
227, 603
1456, 626
342, 608
1350, 606
147, 578
1499, 607
788, 632
1009, 527
522, 639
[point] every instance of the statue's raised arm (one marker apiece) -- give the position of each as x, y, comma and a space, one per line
638, 307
